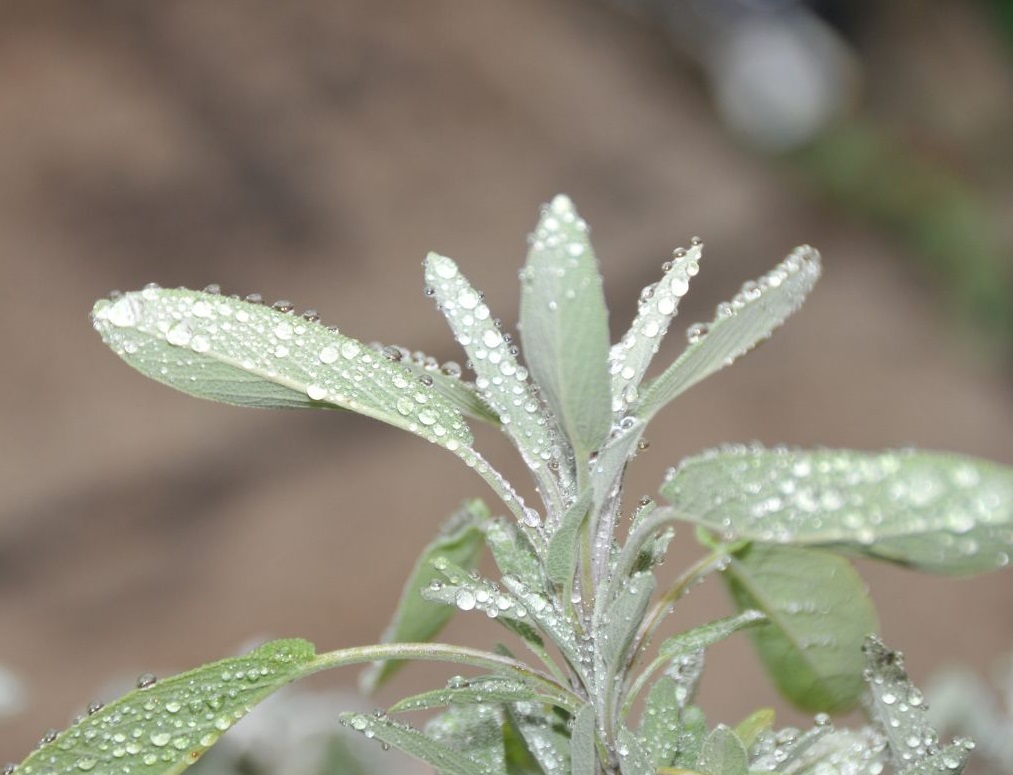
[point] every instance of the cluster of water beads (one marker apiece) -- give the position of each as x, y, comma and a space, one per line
658, 304
174, 722
784, 494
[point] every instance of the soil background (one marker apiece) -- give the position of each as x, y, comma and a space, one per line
315, 151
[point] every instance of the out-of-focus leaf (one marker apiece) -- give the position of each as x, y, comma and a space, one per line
417, 619
564, 325
546, 736
938, 512
475, 731
818, 613
634, 757
723, 753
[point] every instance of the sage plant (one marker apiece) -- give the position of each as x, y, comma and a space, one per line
575, 588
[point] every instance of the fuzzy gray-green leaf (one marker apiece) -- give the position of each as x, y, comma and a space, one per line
224, 349
417, 619
546, 736
487, 689
476, 731
583, 751
561, 559
938, 512
660, 724
819, 614
723, 753
564, 325
749, 318
622, 618
513, 552
165, 727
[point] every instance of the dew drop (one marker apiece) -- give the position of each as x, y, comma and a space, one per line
179, 335
316, 392
464, 599
328, 354
160, 739
146, 680
696, 332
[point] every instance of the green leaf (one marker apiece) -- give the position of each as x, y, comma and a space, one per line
633, 756
513, 552
706, 635
692, 737
749, 318
723, 753
937, 512
414, 743
545, 734
583, 749
630, 357
519, 760
167, 726
899, 710
550, 620
819, 614
561, 559
223, 349
661, 723
502, 382
757, 723
417, 619
486, 689
622, 619
564, 326
475, 731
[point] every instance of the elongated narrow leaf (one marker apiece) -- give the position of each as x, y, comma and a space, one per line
629, 358
749, 318
583, 751
938, 512
723, 754
166, 726
624, 615
414, 743
757, 723
899, 710
546, 736
819, 614
549, 619
417, 619
475, 731
564, 325
561, 560
661, 723
513, 552
501, 381
519, 760
692, 739
706, 635
486, 689
227, 350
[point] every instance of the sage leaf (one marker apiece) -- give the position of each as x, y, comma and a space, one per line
661, 723
166, 726
623, 616
583, 750
634, 757
486, 689
750, 317
502, 382
723, 753
564, 546
658, 304
414, 743
564, 326
415, 618
236, 352
475, 731
513, 552
936, 512
818, 613
546, 736
899, 710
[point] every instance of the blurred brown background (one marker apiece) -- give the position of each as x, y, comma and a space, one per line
315, 151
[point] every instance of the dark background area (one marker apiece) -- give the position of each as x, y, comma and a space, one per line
315, 151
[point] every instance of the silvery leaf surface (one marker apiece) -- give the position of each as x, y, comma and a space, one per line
501, 381
583, 750
564, 326
546, 736
818, 615
237, 352
723, 753
937, 512
163, 727
658, 304
739, 325
476, 731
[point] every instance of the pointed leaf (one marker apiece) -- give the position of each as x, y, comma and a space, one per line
693, 736
417, 619
546, 736
757, 723
501, 381
899, 710
166, 726
227, 350
749, 318
723, 754
623, 618
660, 729
561, 560
697, 638
819, 614
475, 731
630, 357
938, 512
519, 760
414, 743
486, 689
513, 552
564, 325
583, 750
549, 619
